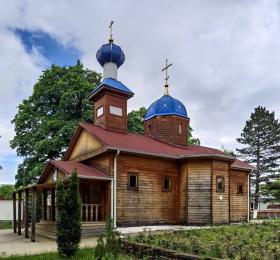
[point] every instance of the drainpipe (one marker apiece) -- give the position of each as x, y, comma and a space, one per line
115, 188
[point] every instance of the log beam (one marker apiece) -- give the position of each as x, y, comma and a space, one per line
53, 205
33, 216
19, 212
15, 212
44, 204
26, 224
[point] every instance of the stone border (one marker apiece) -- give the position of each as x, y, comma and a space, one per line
142, 250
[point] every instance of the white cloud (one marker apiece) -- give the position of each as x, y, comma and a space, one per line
225, 54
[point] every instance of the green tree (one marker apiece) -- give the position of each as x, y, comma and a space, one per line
6, 191
272, 188
135, 120
62, 219
228, 151
68, 205
47, 119
192, 139
261, 140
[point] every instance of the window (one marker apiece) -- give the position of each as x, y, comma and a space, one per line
133, 182
239, 189
99, 111
180, 128
166, 183
116, 111
220, 184
150, 129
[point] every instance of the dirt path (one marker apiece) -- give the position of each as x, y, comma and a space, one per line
12, 244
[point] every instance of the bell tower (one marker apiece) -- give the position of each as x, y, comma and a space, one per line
166, 119
109, 99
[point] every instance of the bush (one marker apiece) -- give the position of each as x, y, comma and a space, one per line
69, 216
108, 245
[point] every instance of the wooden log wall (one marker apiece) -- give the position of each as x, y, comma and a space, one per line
149, 204
183, 191
102, 162
220, 200
199, 192
238, 202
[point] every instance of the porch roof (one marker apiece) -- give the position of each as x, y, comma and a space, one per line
84, 171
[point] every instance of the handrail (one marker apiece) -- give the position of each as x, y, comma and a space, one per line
91, 212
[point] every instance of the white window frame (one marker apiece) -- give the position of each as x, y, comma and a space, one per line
117, 111
98, 114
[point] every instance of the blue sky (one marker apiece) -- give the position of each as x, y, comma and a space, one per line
225, 57
51, 49
51, 52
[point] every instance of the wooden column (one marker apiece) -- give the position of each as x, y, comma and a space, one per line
44, 204
19, 212
15, 211
53, 204
26, 222
33, 216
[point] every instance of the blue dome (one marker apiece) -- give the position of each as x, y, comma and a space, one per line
164, 106
110, 52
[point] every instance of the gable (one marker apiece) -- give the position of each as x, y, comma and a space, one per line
84, 145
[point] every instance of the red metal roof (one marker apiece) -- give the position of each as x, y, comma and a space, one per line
146, 145
83, 170
238, 164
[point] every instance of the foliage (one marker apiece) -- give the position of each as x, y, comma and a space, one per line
261, 140
192, 139
272, 188
5, 225
47, 119
108, 246
6, 191
228, 151
68, 222
259, 241
85, 254
135, 120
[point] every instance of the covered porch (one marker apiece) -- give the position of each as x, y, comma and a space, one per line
38, 201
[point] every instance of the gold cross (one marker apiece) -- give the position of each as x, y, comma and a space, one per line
111, 31
166, 76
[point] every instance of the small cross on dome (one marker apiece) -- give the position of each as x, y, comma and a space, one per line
166, 76
111, 31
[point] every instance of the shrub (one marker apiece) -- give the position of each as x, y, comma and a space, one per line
108, 245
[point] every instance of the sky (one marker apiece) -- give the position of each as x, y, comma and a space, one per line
225, 56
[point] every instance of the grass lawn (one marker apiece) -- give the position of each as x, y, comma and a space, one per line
6, 224
86, 253
259, 241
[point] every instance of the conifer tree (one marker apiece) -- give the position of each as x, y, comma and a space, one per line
261, 140
73, 209
68, 222
62, 220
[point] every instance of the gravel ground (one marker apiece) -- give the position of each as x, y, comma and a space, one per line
12, 244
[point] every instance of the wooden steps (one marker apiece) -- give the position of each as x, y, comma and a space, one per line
89, 229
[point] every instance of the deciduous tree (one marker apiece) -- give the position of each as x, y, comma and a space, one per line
47, 119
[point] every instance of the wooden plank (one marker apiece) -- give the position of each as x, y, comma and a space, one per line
33, 216
220, 208
19, 211
14, 212
26, 212
239, 203
199, 192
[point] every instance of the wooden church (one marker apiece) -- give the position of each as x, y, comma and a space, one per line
154, 178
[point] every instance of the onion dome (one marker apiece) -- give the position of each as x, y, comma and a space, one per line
110, 52
166, 106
